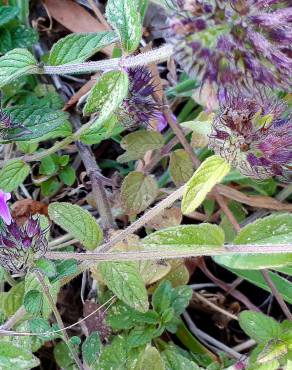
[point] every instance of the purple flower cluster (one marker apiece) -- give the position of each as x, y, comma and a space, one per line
140, 107
253, 133
233, 42
19, 245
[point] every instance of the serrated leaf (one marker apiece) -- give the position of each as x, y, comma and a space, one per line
121, 316
103, 131
91, 348
7, 13
138, 191
175, 361
210, 172
33, 284
138, 143
16, 63
152, 271
258, 326
13, 300
63, 356
39, 121
114, 355
33, 301
180, 167
23, 37
107, 94
13, 174
78, 222
124, 280
14, 357
274, 229
77, 47
197, 237
125, 18
141, 335
150, 359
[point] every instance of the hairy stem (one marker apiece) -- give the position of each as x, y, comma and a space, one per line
165, 252
98, 191
57, 316
276, 294
153, 56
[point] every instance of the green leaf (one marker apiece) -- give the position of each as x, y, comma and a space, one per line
33, 301
124, 280
138, 143
138, 191
77, 47
258, 326
16, 63
7, 13
180, 298
64, 357
33, 284
91, 348
141, 335
23, 37
68, 175
50, 187
210, 172
78, 222
150, 359
13, 299
161, 299
65, 268
107, 94
180, 167
255, 277
175, 361
197, 237
274, 229
39, 121
121, 316
13, 174
104, 130
125, 18
48, 166
5, 40
14, 357
114, 355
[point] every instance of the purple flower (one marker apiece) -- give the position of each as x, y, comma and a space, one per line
233, 42
4, 209
20, 245
254, 134
140, 107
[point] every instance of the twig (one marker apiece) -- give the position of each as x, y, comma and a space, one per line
245, 345
214, 306
58, 317
165, 252
199, 333
98, 191
220, 200
276, 294
180, 135
143, 219
18, 315
98, 14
